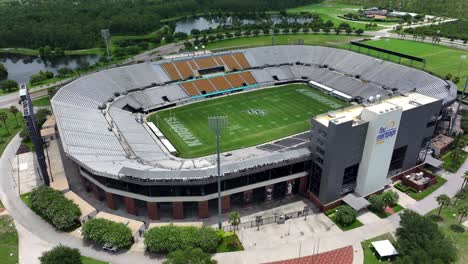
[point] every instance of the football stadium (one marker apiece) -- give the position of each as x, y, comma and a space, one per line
299, 120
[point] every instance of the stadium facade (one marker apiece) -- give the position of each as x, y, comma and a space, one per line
130, 163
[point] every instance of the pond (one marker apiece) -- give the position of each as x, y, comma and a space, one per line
201, 23
21, 67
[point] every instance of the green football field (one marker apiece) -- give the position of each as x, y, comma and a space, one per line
253, 118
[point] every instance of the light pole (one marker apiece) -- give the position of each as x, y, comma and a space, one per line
459, 104
218, 123
462, 58
106, 36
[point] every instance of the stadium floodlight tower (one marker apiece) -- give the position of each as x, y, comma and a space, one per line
218, 124
106, 36
34, 133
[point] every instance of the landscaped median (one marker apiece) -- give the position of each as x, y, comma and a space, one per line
53, 207
344, 217
385, 204
107, 233
422, 194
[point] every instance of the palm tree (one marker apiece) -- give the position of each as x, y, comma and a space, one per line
462, 212
3, 118
234, 219
458, 196
443, 200
14, 110
465, 179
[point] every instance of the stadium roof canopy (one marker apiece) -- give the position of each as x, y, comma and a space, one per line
103, 137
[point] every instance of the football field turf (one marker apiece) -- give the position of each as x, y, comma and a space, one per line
253, 118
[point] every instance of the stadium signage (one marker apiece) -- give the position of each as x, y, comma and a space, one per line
386, 132
182, 132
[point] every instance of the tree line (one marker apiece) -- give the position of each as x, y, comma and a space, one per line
452, 8
76, 24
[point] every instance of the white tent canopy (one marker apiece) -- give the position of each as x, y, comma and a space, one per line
384, 248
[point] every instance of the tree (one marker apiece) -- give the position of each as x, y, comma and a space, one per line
8, 85
337, 30
3, 72
419, 240
465, 179
14, 110
390, 198
4, 118
189, 256
458, 196
326, 30
359, 31
61, 255
103, 231
41, 116
462, 212
348, 31
345, 215
234, 219
376, 203
443, 200
195, 32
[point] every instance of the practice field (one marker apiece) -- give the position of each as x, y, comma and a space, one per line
253, 118
440, 60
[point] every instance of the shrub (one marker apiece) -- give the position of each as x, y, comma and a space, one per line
390, 198
345, 215
436, 218
376, 203
61, 255
103, 231
170, 238
457, 228
51, 205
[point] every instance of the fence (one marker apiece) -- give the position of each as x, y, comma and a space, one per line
268, 220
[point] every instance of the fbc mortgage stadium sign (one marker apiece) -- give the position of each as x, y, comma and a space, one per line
386, 132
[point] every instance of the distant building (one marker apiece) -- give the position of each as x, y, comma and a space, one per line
374, 11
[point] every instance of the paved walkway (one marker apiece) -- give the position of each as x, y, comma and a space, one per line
39, 235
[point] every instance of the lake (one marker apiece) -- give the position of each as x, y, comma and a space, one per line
201, 23
21, 67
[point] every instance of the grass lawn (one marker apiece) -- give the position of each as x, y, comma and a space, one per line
451, 164
384, 214
369, 257
331, 214
43, 101
8, 241
25, 198
440, 60
331, 11
86, 260
230, 243
309, 39
253, 118
450, 217
13, 128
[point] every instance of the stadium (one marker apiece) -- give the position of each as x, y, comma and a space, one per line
310, 120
